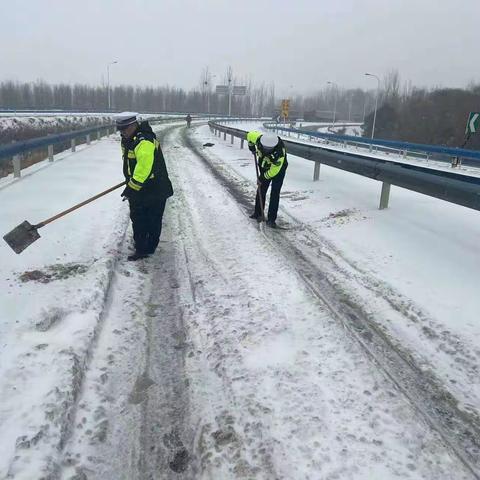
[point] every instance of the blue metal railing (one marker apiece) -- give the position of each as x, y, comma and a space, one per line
472, 155
24, 146
17, 148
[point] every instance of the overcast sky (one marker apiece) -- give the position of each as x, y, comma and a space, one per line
298, 44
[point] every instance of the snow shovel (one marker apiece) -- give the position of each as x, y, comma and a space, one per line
25, 234
259, 193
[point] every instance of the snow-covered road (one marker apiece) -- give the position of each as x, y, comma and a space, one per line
217, 358
412, 268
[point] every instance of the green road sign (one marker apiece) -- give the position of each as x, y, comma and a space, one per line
473, 123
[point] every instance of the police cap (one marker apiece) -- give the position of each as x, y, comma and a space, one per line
124, 119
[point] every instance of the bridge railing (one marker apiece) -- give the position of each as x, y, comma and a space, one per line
453, 155
15, 151
450, 186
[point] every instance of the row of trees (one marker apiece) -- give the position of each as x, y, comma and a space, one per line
405, 113
40, 95
436, 116
259, 101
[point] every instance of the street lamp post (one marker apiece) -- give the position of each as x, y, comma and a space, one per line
335, 87
207, 83
108, 82
230, 91
376, 101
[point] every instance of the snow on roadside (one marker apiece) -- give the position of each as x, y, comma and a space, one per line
415, 264
54, 294
342, 128
10, 125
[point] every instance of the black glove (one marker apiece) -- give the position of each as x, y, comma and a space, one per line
251, 147
128, 193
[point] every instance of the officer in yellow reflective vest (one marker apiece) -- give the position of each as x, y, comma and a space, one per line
147, 183
272, 162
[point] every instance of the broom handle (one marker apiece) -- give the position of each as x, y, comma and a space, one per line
259, 193
75, 207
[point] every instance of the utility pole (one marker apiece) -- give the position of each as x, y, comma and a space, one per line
207, 83
108, 83
376, 101
229, 74
205, 89
335, 88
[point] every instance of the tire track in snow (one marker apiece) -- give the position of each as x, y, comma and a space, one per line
208, 235
458, 429
106, 435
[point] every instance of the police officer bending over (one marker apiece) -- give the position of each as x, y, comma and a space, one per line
272, 162
147, 183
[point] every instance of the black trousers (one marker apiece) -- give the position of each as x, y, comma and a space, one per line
277, 183
146, 216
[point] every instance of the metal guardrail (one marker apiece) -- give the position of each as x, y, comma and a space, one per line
447, 154
449, 186
22, 147
16, 150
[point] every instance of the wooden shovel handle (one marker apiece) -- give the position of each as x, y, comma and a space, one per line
75, 207
259, 193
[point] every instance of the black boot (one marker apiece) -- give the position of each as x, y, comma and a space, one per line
271, 224
136, 256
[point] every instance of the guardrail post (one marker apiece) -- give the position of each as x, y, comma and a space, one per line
88, 139
17, 166
99, 134
50, 153
316, 171
242, 141
224, 135
384, 196
73, 145
231, 139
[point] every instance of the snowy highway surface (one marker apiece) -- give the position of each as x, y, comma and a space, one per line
343, 346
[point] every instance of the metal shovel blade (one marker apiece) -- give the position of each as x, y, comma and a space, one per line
22, 236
